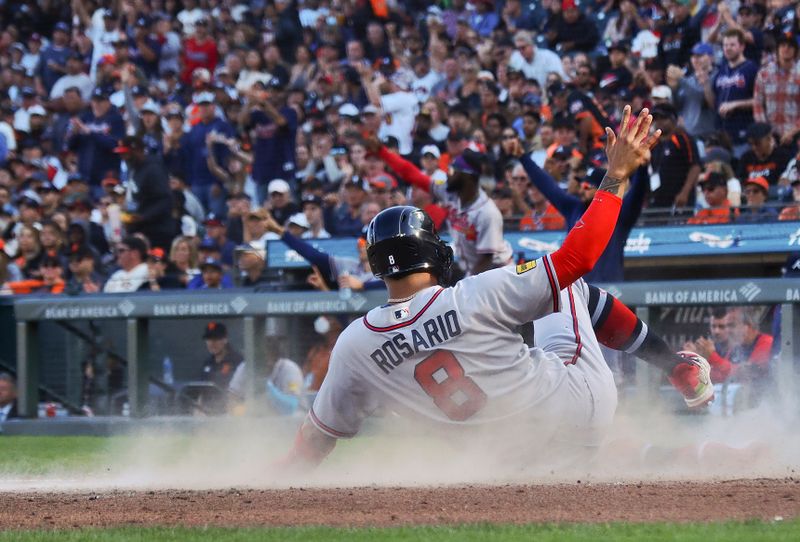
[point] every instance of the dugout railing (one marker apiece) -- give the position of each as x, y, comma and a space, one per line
140, 313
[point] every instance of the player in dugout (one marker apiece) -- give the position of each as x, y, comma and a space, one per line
452, 356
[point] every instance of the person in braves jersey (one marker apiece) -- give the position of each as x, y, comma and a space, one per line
475, 221
452, 356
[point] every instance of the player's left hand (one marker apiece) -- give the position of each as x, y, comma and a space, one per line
630, 148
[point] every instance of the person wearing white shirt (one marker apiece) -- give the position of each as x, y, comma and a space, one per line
133, 272
312, 210
534, 62
424, 79
189, 16
73, 78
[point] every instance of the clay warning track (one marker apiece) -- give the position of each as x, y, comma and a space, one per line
379, 506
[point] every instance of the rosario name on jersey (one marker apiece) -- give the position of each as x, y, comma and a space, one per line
449, 355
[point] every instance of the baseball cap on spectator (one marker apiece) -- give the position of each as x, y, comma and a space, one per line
156, 254
758, 130
556, 88
35, 37
278, 185
208, 244
619, 46
212, 219
28, 92
717, 154
80, 252
338, 151
275, 83
532, 99
37, 110
79, 203
107, 59
370, 109
149, 107
703, 49
142, 22
348, 110
594, 176
210, 262
457, 136
47, 187
433, 150
204, 98
215, 330
381, 181
107, 14
664, 111
713, 179
100, 93
61, 27
311, 199
253, 247
357, 182
139, 90
128, 143
109, 180
562, 152
299, 219
760, 182
174, 110
661, 92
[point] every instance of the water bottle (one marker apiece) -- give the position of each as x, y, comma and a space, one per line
347, 292
169, 378
126, 409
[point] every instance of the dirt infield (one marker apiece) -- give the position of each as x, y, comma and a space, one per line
579, 502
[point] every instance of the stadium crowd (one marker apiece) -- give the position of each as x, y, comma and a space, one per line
158, 144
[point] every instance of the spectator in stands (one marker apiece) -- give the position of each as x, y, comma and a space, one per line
152, 201
223, 358
675, 163
51, 281
133, 273
53, 59
348, 213
312, 209
255, 227
719, 210
8, 398
252, 265
183, 259
29, 252
689, 91
212, 276
534, 62
792, 212
160, 275
93, 136
745, 22
204, 183
718, 347
756, 192
217, 231
83, 278
199, 51
316, 364
776, 89
765, 158
719, 161
537, 213
572, 30
280, 203
272, 126
732, 88
9, 272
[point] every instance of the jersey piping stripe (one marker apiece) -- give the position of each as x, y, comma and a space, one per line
578, 343
404, 324
325, 429
551, 279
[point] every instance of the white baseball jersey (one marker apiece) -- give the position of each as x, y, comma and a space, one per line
453, 356
476, 229
450, 355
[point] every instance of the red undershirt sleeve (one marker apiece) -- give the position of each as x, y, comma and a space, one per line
587, 239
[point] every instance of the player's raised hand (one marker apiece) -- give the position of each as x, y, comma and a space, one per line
630, 148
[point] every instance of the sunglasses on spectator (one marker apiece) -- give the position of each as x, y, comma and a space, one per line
509, 136
519, 178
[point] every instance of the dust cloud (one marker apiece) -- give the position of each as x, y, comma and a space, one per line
644, 444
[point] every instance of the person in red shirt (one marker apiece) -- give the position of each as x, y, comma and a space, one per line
199, 51
751, 356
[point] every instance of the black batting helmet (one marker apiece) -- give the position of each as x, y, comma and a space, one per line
403, 240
